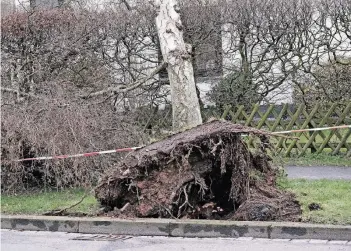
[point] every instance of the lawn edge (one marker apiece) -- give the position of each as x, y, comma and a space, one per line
177, 228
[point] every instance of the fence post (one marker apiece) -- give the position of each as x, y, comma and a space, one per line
226, 111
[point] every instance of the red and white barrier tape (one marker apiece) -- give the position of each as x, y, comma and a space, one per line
314, 129
138, 147
82, 154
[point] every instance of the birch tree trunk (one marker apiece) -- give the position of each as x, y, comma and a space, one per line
185, 104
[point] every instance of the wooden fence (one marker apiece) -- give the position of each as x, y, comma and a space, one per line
289, 117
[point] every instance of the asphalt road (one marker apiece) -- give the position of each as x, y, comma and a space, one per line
49, 241
318, 172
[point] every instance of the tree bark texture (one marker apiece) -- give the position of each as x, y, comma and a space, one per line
185, 104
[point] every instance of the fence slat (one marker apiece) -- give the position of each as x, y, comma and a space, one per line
315, 133
280, 116
348, 154
237, 114
337, 133
339, 121
252, 115
304, 125
291, 123
321, 134
262, 121
226, 111
343, 142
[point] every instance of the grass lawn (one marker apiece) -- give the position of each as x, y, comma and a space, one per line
39, 203
334, 197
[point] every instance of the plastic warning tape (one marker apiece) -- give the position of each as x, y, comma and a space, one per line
314, 129
83, 154
138, 147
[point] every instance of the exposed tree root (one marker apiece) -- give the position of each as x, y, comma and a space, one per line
206, 172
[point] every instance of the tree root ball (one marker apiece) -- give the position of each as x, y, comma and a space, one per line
206, 172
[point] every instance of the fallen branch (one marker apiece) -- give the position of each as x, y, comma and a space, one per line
59, 212
19, 92
124, 89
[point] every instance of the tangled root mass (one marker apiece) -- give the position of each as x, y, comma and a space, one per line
206, 172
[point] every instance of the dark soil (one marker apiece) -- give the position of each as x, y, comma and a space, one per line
206, 172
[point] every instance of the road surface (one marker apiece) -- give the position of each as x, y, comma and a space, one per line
318, 172
51, 241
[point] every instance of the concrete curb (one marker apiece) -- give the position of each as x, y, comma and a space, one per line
177, 228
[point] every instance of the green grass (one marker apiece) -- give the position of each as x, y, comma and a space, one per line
311, 159
334, 196
39, 203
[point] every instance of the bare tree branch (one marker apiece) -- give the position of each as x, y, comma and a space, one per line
124, 89
126, 4
3, 89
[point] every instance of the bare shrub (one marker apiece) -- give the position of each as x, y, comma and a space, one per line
41, 129
330, 82
50, 58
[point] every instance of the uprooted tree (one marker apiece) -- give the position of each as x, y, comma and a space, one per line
206, 172
177, 54
178, 60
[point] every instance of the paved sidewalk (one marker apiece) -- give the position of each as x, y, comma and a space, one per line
51, 241
318, 172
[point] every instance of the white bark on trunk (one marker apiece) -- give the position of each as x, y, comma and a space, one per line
185, 104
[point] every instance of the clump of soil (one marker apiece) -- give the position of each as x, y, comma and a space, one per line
206, 172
